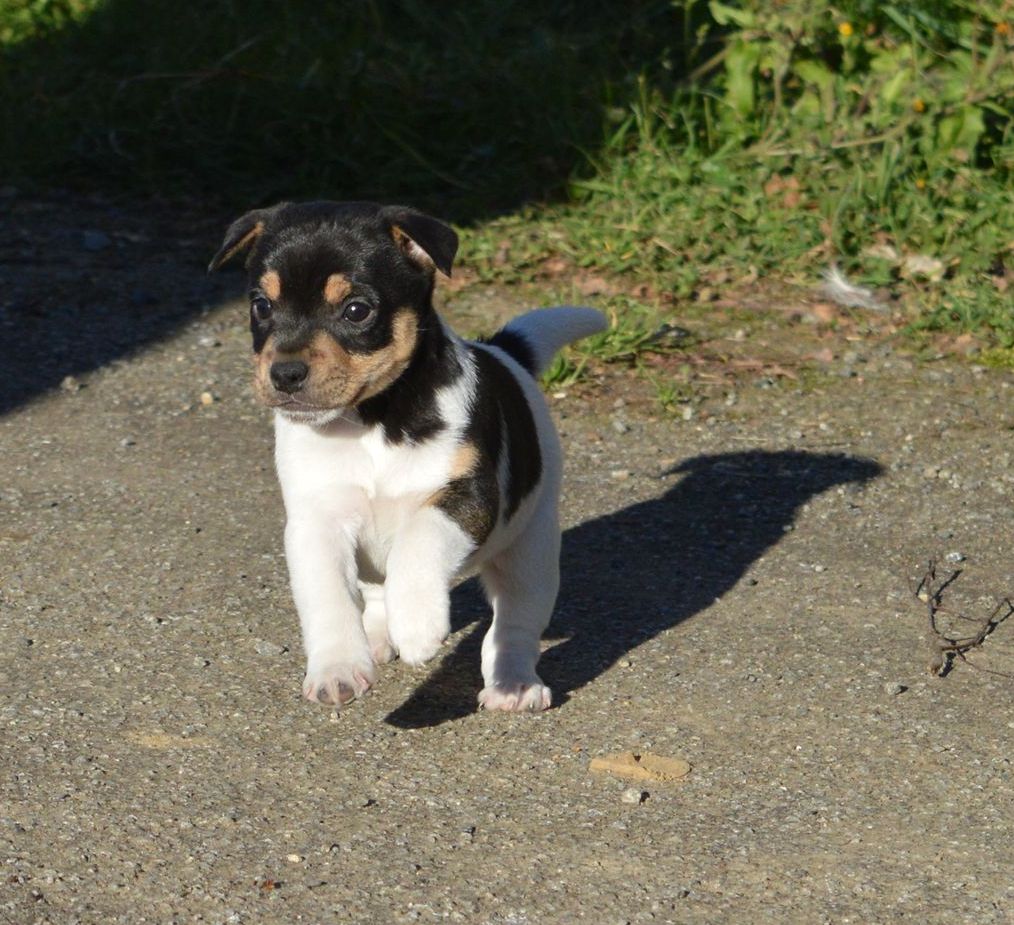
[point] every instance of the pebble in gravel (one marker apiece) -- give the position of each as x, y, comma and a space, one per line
264, 647
634, 795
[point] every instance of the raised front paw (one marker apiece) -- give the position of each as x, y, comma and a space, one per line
417, 643
531, 697
337, 682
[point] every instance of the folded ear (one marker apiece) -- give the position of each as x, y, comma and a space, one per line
241, 234
426, 240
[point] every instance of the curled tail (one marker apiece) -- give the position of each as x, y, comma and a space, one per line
534, 338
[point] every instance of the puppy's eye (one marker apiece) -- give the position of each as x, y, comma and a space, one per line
357, 312
260, 307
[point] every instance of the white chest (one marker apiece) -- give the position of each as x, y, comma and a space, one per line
352, 476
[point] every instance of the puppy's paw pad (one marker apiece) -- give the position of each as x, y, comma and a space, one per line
337, 683
516, 698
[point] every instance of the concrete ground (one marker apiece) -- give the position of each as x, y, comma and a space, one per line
737, 593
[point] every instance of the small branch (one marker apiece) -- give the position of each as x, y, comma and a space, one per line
944, 648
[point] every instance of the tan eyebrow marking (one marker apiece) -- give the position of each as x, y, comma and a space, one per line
336, 288
271, 283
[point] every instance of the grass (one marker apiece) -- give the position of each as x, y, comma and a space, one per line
662, 145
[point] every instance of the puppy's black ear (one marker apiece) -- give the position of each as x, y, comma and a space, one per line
426, 240
241, 234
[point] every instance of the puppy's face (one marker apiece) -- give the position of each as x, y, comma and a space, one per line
339, 295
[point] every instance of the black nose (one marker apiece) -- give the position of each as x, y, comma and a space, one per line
289, 375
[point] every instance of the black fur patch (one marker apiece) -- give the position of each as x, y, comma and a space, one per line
515, 346
502, 422
473, 503
408, 410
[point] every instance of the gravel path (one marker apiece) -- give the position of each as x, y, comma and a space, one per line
737, 594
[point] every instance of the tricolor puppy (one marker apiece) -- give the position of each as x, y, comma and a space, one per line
408, 457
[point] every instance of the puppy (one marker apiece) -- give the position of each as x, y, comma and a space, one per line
408, 458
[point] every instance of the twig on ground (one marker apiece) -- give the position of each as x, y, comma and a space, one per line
944, 648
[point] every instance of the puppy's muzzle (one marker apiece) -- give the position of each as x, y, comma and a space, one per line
289, 375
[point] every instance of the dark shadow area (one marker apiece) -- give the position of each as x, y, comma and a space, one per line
85, 282
633, 574
467, 109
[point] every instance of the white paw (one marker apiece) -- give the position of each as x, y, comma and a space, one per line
416, 645
337, 682
516, 698
418, 634
381, 649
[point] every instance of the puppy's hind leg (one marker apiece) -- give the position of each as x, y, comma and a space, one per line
522, 583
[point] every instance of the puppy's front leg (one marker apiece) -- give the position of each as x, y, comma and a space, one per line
425, 556
322, 567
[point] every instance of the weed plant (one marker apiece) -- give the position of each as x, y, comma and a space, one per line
656, 142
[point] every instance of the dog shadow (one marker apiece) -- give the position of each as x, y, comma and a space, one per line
630, 575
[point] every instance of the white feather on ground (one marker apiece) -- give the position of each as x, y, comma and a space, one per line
837, 288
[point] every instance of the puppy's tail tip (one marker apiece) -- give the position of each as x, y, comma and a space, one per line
533, 339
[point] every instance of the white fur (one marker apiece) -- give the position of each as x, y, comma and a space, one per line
372, 562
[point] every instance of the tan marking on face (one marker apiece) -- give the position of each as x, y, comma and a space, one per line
262, 361
336, 288
376, 371
271, 283
338, 378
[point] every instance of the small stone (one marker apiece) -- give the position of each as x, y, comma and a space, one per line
559, 396
893, 687
621, 475
688, 413
620, 426
634, 795
294, 858
70, 384
95, 240
624, 663
208, 341
954, 556
739, 334
128, 441
931, 472
264, 647
207, 398
820, 568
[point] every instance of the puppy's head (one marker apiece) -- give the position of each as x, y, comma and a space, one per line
339, 295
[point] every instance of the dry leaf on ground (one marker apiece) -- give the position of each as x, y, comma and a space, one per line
643, 766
